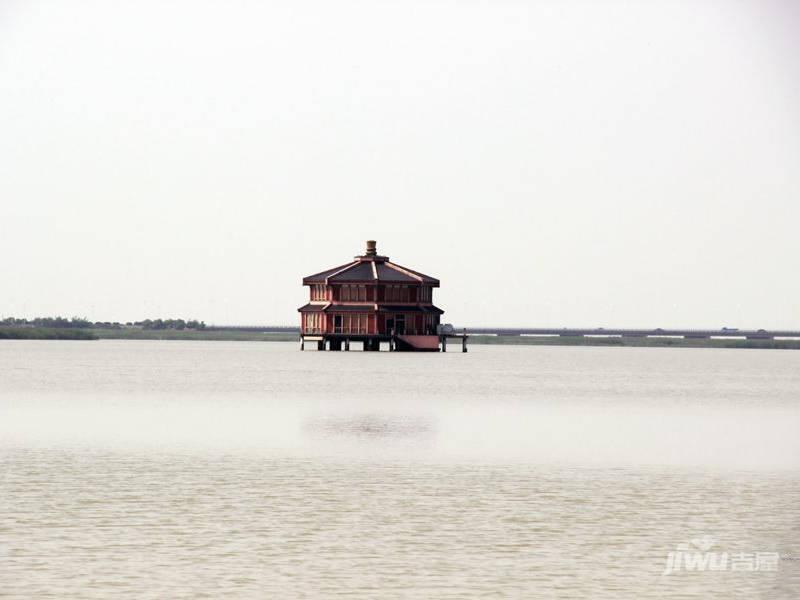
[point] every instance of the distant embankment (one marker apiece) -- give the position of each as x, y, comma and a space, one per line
136, 333
676, 338
696, 334
683, 338
46, 333
210, 333
642, 342
165, 330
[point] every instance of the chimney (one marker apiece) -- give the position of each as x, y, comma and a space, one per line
371, 248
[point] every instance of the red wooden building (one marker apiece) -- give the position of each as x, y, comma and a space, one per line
370, 300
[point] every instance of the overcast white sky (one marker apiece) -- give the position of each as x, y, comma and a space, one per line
553, 163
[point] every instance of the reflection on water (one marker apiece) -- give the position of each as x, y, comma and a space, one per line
371, 426
157, 469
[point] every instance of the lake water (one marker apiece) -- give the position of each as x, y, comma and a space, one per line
145, 469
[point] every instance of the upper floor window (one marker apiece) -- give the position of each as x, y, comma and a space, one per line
353, 293
318, 292
398, 293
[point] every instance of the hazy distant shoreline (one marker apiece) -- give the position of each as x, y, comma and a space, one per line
45, 333
235, 335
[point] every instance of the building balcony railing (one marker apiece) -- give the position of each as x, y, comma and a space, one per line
363, 331
350, 330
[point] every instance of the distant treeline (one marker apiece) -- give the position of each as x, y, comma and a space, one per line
83, 323
169, 324
55, 322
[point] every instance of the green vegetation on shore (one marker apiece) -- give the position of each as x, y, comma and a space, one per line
84, 323
80, 328
46, 333
225, 335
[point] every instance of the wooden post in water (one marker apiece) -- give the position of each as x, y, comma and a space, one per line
302, 343
464, 340
444, 343
347, 344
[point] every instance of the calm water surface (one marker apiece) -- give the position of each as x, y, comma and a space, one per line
211, 469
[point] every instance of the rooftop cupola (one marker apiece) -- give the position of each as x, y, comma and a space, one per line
371, 254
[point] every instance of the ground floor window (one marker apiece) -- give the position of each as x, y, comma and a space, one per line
401, 324
429, 324
312, 323
350, 323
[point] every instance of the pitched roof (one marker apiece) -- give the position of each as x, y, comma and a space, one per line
370, 308
321, 276
358, 308
357, 272
312, 308
387, 273
410, 308
370, 271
